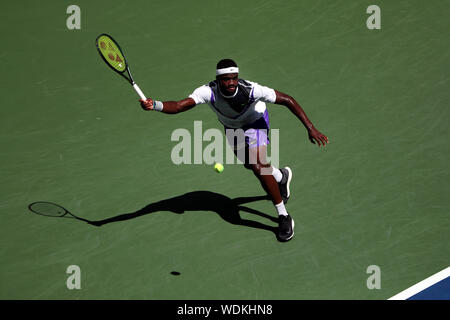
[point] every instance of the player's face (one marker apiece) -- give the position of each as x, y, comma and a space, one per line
228, 83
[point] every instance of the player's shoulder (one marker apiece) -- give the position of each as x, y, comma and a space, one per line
251, 85
246, 83
212, 84
204, 88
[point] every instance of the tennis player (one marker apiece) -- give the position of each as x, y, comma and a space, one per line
240, 106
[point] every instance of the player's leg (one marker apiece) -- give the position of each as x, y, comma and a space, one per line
257, 162
259, 136
251, 143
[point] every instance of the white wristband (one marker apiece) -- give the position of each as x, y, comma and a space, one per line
157, 105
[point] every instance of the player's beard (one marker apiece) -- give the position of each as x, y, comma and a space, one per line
227, 91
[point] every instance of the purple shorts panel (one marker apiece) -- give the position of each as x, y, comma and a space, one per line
256, 133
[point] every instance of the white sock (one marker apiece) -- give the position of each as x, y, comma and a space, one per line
277, 174
281, 209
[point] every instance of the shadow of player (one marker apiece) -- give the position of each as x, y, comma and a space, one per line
228, 209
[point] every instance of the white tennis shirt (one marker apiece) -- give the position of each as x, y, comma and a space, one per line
244, 107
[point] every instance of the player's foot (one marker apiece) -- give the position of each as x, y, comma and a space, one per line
285, 228
283, 185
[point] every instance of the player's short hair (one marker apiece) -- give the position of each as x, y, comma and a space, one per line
226, 63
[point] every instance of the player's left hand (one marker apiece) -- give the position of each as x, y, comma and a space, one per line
316, 137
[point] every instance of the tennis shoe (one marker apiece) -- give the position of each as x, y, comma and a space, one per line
284, 184
285, 228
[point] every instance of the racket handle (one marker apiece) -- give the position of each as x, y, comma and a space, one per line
139, 92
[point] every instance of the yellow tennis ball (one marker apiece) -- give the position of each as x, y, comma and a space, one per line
218, 167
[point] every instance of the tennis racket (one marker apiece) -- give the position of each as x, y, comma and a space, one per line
111, 53
50, 209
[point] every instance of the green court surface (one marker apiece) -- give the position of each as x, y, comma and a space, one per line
72, 132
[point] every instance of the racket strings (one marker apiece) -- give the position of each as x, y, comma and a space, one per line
111, 53
48, 209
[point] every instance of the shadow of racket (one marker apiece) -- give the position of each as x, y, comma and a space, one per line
50, 209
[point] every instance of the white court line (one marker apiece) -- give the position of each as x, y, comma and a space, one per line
428, 282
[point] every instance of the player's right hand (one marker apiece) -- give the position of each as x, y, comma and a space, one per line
146, 104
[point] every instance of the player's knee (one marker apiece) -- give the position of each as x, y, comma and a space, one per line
258, 167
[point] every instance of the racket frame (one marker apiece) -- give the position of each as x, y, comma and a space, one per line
130, 79
65, 211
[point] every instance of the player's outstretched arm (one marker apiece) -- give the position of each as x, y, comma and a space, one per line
168, 106
314, 135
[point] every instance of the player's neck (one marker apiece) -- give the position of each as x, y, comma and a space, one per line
229, 96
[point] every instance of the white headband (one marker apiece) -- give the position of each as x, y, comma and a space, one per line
227, 70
